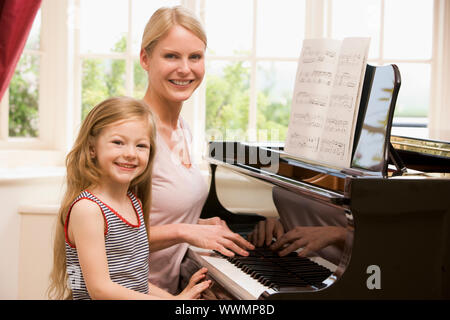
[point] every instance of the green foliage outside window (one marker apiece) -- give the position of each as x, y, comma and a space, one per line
227, 101
24, 98
227, 107
227, 97
102, 79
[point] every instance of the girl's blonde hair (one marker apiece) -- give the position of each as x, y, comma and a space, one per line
165, 18
83, 172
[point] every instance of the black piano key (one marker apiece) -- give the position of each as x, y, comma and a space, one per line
251, 259
274, 277
267, 267
261, 268
259, 263
264, 270
307, 271
311, 273
283, 281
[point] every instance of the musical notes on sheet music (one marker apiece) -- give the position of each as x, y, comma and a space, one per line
326, 96
346, 79
304, 142
311, 55
316, 77
332, 148
350, 59
333, 125
319, 100
308, 120
343, 101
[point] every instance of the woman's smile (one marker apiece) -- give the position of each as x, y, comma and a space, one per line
181, 83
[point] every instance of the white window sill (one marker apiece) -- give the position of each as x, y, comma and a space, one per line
41, 209
27, 173
30, 158
410, 127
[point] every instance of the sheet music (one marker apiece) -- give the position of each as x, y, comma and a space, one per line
326, 98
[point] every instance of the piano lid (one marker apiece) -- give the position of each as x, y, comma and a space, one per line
424, 146
423, 155
376, 111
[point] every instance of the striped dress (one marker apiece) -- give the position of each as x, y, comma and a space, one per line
126, 249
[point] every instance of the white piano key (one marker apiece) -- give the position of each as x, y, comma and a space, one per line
229, 276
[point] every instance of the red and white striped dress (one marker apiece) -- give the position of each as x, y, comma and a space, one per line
126, 247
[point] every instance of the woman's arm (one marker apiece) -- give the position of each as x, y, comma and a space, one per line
164, 236
210, 236
86, 231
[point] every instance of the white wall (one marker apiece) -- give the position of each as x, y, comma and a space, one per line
21, 187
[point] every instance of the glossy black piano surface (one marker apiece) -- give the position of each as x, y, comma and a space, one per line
398, 223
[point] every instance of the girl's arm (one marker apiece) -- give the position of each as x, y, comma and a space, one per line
86, 231
208, 236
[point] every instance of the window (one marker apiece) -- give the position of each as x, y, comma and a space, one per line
251, 66
252, 57
108, 49
396, 38
76, 57
20, 105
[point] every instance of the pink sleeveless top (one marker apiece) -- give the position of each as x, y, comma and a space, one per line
178, 195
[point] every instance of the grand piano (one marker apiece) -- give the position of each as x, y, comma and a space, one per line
393, 203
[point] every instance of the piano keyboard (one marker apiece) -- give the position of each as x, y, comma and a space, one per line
264, 271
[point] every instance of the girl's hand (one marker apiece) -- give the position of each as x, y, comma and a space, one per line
195, 288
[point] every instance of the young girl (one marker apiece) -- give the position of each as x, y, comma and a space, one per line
101, 247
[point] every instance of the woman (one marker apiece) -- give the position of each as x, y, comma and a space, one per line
173, 55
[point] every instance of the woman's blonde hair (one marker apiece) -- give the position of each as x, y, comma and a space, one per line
83, 172
165, 18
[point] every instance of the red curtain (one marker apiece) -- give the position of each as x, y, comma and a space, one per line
16, 19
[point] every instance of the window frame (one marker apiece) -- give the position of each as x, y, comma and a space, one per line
439, 115
60, 72
311, 26
191, 108
48, 149
419, 123
318, 24
25, 142
128, 56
